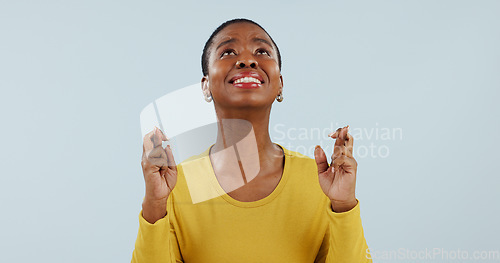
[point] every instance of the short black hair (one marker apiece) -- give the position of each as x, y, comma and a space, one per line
208, 44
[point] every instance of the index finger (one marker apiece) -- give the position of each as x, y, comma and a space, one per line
349, 145
158, 137
341, 135
147, 144
154, 139
340, 138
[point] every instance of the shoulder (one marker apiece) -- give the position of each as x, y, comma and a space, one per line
298, 158
301, 173
300, 165
195, 158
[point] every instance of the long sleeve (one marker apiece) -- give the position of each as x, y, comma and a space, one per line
294, 223
344, 241
156, 243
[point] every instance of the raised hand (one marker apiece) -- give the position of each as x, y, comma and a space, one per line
338, 180
160, 175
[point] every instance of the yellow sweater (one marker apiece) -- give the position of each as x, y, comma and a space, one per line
295, 223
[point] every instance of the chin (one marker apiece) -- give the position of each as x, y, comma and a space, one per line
249, 103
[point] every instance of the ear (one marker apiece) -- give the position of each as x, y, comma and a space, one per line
204, 85
281, 81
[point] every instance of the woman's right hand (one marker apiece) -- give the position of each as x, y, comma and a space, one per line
160, 175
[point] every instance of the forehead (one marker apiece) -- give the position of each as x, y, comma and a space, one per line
240, 31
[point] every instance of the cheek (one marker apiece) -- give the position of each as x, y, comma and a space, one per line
218, 72
274, 74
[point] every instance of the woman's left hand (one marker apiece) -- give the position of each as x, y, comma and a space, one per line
338, 180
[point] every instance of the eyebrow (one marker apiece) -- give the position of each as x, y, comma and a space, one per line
225, 42
256, 39
263, 41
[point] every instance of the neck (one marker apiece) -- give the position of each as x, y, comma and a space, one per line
243, 149
247, 130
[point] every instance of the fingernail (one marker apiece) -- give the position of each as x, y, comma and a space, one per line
317, 151
162, 134
331, 134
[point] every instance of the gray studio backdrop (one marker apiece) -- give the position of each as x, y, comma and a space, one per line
418, 81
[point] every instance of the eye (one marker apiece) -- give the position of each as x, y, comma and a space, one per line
263, 52
227, 52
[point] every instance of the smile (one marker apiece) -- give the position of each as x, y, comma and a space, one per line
247, 80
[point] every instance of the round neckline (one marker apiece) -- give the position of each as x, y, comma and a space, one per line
277, 190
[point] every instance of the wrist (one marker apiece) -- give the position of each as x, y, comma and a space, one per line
154, 201
154, 210
343, 206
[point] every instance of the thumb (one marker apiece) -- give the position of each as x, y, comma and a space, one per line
320, 157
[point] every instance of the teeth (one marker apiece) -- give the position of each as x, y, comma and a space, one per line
247, 80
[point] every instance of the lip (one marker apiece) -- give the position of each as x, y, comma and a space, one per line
243, 74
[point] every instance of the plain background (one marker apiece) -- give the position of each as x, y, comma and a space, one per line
74, 76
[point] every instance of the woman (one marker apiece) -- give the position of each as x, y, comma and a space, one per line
247, 199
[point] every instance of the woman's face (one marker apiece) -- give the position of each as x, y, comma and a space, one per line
243, 68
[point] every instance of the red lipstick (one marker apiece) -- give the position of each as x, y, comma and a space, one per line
247, 80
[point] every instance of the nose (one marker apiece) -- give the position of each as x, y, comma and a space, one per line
245, 62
